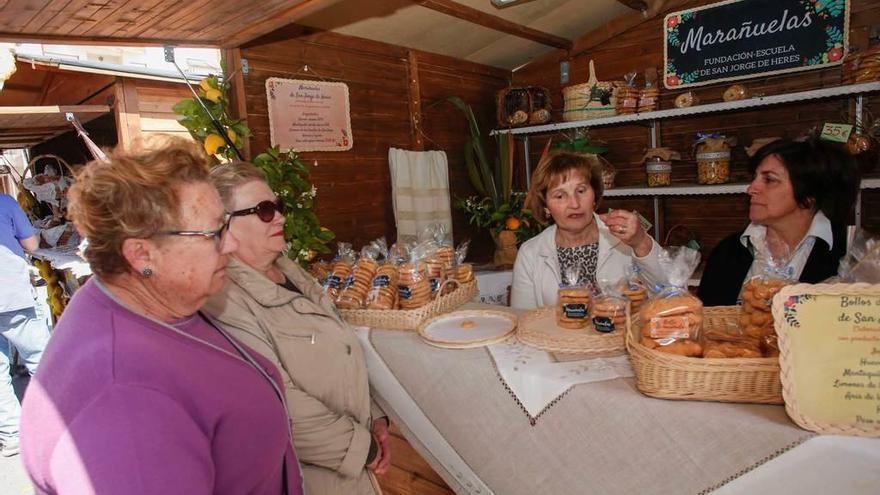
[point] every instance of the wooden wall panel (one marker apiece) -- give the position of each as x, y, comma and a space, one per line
710, 218
354, 188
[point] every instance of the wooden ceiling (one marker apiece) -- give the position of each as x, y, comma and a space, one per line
470, 30
23, 127
193, 23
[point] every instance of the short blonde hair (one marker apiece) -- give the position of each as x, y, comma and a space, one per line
557, 167
227, 177
133, 195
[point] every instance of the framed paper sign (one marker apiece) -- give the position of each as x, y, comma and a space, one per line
738, 39
829, 343
309, 115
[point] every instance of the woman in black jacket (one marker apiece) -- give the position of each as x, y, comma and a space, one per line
801, 196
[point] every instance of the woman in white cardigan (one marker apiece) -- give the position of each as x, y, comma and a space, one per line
566, 187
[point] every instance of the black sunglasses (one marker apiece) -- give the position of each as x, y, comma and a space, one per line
265, 210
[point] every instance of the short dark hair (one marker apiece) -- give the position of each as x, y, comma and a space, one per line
823, 174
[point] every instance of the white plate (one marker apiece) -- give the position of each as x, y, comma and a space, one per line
469, 328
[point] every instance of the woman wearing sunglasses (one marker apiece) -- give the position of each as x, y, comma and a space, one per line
138, 392
274, 306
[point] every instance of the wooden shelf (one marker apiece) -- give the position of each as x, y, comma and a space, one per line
696, 189
758, 101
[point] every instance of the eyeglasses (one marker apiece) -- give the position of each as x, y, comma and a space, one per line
265, 210
217, 235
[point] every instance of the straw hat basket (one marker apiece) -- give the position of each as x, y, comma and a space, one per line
589, 100
670, 376
409, 319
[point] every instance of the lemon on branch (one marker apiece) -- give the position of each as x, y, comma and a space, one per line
205, 84
213, 143
213, 95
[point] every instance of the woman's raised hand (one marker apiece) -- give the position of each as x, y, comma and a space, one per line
625, 226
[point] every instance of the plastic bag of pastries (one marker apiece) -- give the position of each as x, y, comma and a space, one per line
320, 270
770, 272
340, 269
729, 342
354, 291
608, 309
461, 272
862, 262
573, 300
633, 288
671, 320
413, 285
383, 287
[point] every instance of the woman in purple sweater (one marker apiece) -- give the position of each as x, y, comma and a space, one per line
138, 392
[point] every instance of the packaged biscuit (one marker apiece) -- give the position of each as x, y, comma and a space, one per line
573, 300
862, 262
340, 269
633, 288
769, 274
353, 293
729, 342
608, 308
413, 285
460, 271
671, 320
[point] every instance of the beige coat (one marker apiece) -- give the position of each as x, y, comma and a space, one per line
322, 363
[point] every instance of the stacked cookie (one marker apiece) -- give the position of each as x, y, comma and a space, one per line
756, 318
608, 313
673, 325
463, 273
339, 272
413, 287
357, 284
572, 307
648, 98
383, 294
636, 294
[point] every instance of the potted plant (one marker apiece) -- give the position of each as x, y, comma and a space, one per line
497, 207
286, 174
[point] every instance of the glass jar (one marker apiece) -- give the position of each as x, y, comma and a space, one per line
659, 172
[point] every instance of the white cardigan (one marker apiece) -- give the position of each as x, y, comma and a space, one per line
536, 276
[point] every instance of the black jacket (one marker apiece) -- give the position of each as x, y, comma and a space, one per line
730, 261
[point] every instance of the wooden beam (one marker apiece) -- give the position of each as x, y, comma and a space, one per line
128, 119
611, 29
276, 20
415, 101
490, 21
237, 95
60, 39
53, 109
639, 5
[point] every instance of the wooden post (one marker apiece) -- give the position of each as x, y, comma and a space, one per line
237, 98
415, 101
128, 118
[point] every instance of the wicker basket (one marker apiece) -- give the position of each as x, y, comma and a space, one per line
580, 103
669, 376
410, 319
517, 106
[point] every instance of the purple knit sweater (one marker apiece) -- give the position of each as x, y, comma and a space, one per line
122, 404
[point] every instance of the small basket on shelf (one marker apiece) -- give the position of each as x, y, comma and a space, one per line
516, 106
590, 100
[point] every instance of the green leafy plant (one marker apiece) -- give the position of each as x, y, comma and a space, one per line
285, 172
496, 207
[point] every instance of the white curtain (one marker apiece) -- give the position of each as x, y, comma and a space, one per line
420, 188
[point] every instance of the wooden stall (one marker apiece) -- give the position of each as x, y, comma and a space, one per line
397, 90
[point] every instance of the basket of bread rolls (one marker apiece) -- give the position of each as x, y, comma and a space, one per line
681, 350
402, 286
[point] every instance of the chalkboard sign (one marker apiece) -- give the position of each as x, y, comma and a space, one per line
739, 39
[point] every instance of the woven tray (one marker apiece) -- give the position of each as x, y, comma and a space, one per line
409, 319
669, 376
538, 329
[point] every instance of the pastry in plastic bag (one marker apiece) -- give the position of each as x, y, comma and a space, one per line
573, 301
672, 320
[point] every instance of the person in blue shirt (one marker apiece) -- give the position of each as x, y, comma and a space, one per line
19, 323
